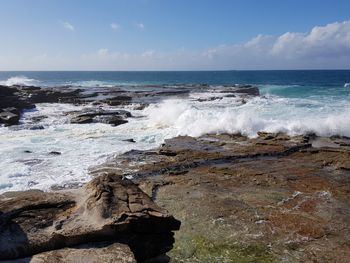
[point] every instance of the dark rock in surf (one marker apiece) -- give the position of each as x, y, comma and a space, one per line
114, 120
9, 118
81, 119
119, 100
129, 140
55, 153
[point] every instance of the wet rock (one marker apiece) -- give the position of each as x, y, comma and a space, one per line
38, 118
209, 99
243, 90
37, 127
10, 98
50, 95
129, 140
9, 118
119, 100
108, 209
113, 117
81, 119
12, 110
114, 120
101, 112
141, 106
55, 153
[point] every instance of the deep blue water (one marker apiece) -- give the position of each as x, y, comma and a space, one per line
270, 77
324, 84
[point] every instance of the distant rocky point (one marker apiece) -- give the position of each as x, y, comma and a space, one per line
15, 99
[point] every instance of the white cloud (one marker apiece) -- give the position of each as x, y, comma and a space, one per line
323, 47
140, 25
102, 52
68, 26
322, 41
115, 26
148, 53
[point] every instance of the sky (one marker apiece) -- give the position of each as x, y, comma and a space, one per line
174, 35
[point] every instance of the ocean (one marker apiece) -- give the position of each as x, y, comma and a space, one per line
294, 102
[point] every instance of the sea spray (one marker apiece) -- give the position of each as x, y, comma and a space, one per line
258, 114
19, 80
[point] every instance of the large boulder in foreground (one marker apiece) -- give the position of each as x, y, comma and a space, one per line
108, 209
91, 253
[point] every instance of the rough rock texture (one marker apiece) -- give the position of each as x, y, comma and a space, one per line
109, 208
19, 98
268, 199
90, 253
114, 117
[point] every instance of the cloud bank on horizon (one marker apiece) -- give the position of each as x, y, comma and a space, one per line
323, 47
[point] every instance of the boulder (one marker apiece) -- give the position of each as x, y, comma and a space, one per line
129, 140
114, 117
94, 252
108, 209
243, 90
81, 119
114, 120
11, 104
55, 153
118, 100
9, 118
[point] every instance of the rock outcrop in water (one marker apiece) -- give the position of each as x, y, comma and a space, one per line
108, 219
273, 198
14, 100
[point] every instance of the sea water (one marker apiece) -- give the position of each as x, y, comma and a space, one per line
294, 102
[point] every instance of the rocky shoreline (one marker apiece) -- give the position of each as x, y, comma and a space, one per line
273, 198
15, 99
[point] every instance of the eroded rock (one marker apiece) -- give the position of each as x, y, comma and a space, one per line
108, 208
91, 253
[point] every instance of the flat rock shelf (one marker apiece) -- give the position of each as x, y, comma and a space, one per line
273, 198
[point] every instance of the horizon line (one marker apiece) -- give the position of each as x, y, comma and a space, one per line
206, 70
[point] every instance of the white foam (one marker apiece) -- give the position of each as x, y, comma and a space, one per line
346, 85
259, 114
81, 146
19, 80
85, 145
92, 83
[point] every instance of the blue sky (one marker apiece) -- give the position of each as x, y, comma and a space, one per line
178, 34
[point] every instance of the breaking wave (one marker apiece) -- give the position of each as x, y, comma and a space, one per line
19, 80
270, 115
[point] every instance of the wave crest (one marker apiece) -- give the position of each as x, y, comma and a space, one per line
249, 119
19, 80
